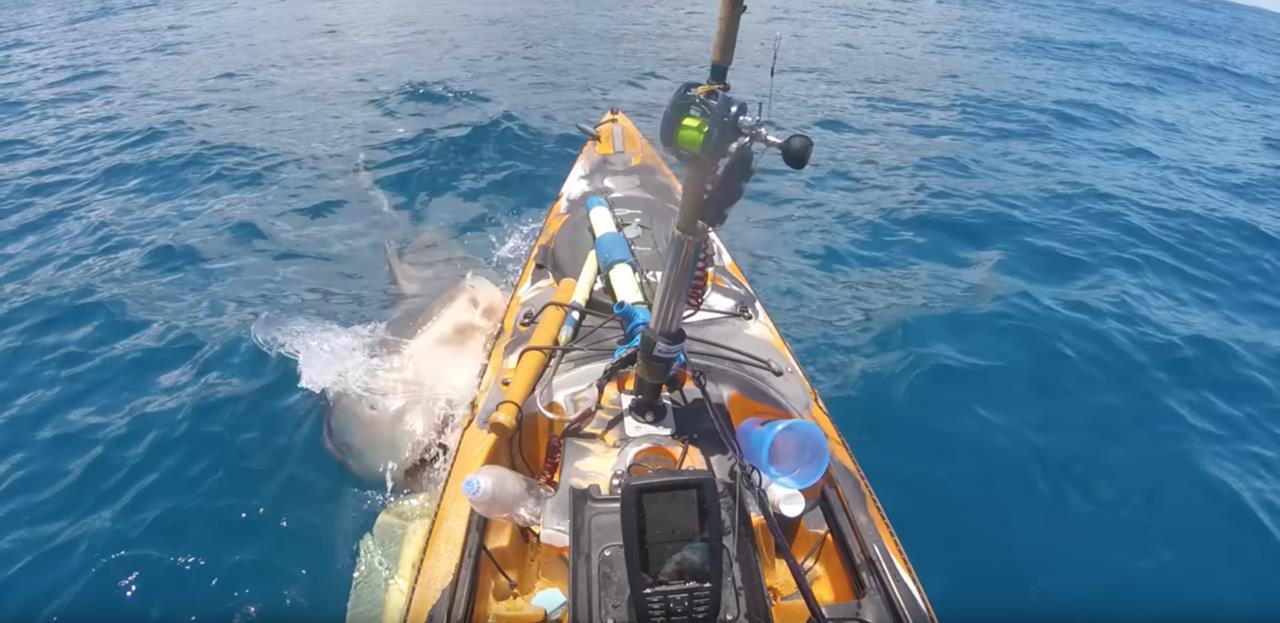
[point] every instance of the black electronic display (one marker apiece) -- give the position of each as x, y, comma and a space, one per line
672, 539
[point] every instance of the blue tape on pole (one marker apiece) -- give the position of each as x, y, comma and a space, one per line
571, 318
634, 343
595, 201
612, 249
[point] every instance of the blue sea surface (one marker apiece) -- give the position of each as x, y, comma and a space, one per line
1034, 269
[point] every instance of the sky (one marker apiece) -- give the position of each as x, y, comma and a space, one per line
1270, 5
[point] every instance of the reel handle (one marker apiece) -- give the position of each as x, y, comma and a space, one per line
796, 151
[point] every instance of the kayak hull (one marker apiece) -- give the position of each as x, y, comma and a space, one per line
858, 566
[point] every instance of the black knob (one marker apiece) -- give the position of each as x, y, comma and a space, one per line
796, 151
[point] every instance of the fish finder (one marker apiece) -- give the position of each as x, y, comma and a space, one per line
671, 537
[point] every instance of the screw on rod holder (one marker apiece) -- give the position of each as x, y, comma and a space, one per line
796, 151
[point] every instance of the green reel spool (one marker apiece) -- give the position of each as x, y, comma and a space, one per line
690, 135
689, 124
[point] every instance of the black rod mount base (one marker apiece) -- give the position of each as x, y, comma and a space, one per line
655, 364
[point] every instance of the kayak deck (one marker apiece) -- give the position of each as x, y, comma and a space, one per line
455, 565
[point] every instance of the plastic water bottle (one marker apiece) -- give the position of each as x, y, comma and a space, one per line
502, 494
792, 453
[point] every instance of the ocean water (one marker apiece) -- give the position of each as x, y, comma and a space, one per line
1033, 269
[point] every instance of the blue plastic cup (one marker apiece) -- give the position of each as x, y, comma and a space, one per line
792, 453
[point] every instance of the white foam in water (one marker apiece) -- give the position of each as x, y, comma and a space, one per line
513, 244
397, 407
331, 358
364, 361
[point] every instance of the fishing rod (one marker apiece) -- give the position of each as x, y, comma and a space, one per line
713, 135
726, 40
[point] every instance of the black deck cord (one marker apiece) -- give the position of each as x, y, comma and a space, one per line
488, 554
748, 359
564, 349
733, 349
611, 370
568, 306
762, 500
719, 312
604, 339
753, 361
608, 321
767, 367
815, 552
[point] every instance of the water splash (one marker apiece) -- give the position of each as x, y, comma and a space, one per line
396, 413
331, 358
512, 245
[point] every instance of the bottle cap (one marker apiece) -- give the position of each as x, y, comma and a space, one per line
473, 487
787, 501
551, 600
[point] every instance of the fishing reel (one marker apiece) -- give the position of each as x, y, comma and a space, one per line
704, 127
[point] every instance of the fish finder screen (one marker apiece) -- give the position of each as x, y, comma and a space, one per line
675, 546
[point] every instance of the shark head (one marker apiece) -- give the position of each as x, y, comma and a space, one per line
402, 423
